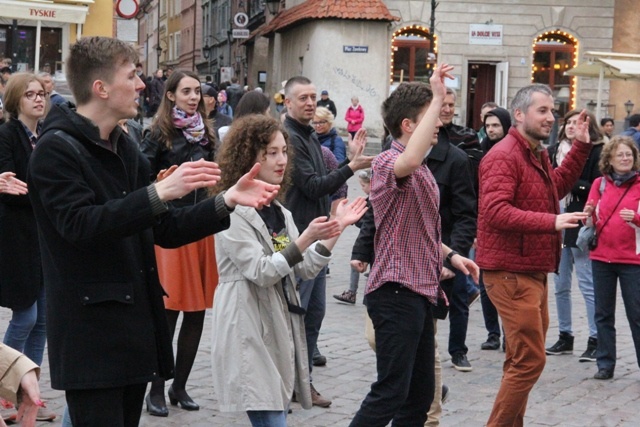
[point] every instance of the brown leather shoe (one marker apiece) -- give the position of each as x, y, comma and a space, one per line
318, 400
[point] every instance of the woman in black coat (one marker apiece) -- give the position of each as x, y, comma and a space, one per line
180, 133
21, 285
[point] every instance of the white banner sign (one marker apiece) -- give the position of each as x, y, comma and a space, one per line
485, 34
43, 12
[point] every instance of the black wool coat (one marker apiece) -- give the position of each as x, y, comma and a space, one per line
106, 322
20, 266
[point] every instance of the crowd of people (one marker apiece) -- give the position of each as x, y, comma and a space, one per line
219, 205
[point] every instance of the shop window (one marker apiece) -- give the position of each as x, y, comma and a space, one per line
410, 55
555, 53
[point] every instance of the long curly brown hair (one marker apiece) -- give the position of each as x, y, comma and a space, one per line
248, 138
162, 127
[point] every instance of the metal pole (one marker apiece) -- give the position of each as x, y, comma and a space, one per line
432, 29
158, 51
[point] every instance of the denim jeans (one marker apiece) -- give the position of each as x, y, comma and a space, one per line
521, 300
405, 356
66, 418
568, 258
27, 331
605, 279
268, 418
313, 298
458, 314
353, 280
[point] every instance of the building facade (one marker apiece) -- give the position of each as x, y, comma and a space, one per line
36, 35
496, 48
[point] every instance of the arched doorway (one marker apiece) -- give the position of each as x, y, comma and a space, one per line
410, 55
554, 53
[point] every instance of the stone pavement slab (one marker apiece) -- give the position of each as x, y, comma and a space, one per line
565, 395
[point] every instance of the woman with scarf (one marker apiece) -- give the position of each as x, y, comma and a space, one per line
178, 134
571, 255
614, 210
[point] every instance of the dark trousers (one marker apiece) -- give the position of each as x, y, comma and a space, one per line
605, 282
106, 407
489, 312
405, 358
313, 298
458, 314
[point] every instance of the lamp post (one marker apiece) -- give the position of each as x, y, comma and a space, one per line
206, 54
628, 107
273, 6
159, 51
591, 106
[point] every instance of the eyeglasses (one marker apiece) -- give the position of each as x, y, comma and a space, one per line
321, 122
30, 95
623, 155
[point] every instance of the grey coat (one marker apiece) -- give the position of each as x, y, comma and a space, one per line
259, 350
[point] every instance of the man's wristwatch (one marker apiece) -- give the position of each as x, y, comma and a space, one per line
450, 255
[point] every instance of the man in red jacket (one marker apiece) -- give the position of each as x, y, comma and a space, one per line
519, 236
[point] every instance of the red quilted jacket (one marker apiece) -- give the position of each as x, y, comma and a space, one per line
518, 205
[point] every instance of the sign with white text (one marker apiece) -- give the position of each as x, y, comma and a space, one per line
355, 49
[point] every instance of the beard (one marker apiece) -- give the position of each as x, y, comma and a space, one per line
537, 134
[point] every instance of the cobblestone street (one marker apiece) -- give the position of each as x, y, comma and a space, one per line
565, 395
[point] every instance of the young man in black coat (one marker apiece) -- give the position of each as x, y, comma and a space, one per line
98, 218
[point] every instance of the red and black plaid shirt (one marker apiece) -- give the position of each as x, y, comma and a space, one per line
407, 243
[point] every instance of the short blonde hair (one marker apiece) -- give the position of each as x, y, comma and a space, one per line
609, 150
323, 113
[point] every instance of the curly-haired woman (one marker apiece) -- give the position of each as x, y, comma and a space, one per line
180, 134
257, 312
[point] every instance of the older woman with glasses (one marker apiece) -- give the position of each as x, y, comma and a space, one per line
614, 209
21, 282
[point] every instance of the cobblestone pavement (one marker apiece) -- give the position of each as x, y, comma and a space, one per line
565, 395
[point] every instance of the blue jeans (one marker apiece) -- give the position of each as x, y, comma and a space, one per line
27, 331
458, 314
568, 258
605, 278
313, 298
405, 357
66, 418
268, 418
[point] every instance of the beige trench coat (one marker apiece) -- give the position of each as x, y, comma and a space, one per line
259, 350
13, 366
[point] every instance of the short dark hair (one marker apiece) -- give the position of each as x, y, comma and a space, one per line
297, 80
251, 103
95, 58
606, 120
406, 102
634, 120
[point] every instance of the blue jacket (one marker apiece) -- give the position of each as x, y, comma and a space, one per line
335, 143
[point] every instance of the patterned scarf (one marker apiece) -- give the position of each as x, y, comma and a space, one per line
192, 126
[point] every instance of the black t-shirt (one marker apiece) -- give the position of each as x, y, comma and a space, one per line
274, 220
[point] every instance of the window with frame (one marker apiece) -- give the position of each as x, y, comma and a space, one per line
410, 59
555, 53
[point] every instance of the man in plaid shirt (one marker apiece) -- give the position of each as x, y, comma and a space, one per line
404, 282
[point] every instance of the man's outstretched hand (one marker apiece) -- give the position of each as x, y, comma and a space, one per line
249, 191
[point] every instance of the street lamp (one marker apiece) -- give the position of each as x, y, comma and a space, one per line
628, 107
273, 6
591, 105
159, 52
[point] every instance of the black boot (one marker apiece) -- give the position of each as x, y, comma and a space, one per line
589, 354
563, 346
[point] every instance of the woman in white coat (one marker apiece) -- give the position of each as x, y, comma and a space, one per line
259, 351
